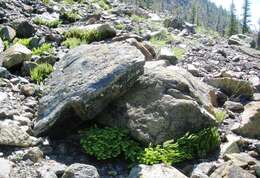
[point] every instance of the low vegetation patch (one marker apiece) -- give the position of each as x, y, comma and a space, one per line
120, 26
195, 145
24, 41
104, 4
111, 142
137, 18
44, 48
41, 72
6, 44
220, 115
179, 52
161, 39
72, 42
48, 23
71, 16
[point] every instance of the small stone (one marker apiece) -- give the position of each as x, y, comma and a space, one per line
234, 106
28, 90
80, 171
34, 154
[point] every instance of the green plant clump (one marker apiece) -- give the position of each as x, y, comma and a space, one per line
6, 45
179, 52
161, 39
104, 4
109, 143
41, 72
48, 23
44, 48
72, 42
86, 35
71, 16
120, 26
220, 115
189, 146
24, 41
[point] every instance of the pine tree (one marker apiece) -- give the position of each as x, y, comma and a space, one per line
258, 36
233, 21
246, 15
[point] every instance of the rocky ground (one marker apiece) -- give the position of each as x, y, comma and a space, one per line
158, 82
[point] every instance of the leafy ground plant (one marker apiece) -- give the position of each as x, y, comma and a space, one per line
44, 48
41, 72
111, 142
220, 115
189, 146
107, 143
71, 16
72, 42
179, 52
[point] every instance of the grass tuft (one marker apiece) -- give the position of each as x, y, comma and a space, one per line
44, 48
48, 23
72, 42
41, 72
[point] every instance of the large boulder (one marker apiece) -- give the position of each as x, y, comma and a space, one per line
166, 53
86, 80
250, 121
161, 105
241, 40
232, 87
80, 171
7, 33
25, 29
229, 170
15, 56
155, 171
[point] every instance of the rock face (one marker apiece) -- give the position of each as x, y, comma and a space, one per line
160, 105
86, 80
2, 47
14, 56
12, 135
240, 39
155, 171
232, 86
5, 168
80, 171
249, 125
167, 54
229, 170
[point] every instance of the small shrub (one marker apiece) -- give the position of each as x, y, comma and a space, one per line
189, 146
109, 143
137, 18
72, 42
41, 72
120, 26
220, 115
179, 52
71, 16
48, 23
44, 48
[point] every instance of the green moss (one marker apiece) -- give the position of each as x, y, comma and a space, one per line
44, 48
72, 42
179, 52
48, 23
41, 72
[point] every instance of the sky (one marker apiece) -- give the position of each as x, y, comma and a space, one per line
255, 9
